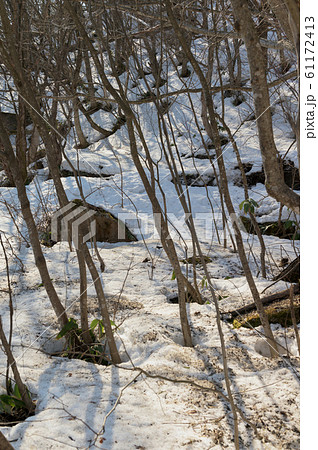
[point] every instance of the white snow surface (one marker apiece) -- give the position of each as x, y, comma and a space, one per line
73, 397
81, 405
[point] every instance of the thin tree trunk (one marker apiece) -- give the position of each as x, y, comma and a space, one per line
220, 331
244, 180
34, 144
83, 295
103, 307
24, 395
4, 443
275, 184
161, 224
166, 240
11, 311
83, 143
214, 133
90, 83
40, 262
293, 316
21, 145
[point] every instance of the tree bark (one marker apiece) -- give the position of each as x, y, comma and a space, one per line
22, 389
40, 262
275, 184
4, 443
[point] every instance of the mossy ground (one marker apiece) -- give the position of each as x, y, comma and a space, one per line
197, 260
279, 312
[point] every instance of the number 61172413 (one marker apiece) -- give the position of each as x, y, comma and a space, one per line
309, 46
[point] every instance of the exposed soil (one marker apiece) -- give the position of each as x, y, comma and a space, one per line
291, 175
195, 179
9, 420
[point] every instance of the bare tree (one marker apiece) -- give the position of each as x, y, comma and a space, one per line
160, 219
27, 89
211, 127
275, 183
8, 153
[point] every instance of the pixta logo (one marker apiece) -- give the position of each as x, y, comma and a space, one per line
73, 222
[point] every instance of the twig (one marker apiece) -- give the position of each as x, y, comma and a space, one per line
211, 387
102, 430
15, 223
289, 269
24, 395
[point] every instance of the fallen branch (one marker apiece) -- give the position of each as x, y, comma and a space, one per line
102, 430
211, 387
265, 300
289, 271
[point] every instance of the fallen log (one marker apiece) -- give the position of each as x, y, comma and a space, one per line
229, 315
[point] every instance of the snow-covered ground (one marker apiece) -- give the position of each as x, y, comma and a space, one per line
78, 403
163, 395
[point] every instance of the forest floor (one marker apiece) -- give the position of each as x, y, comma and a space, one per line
163, 395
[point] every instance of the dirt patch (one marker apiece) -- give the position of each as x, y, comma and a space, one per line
197, 260
69, 173
10, 420
114, 304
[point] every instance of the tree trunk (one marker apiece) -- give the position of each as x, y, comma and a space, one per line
82, 139
40, 262
4, 443
213, 133
167, 243
20, 142
103, 307
275, 184
83, 295
22, 389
